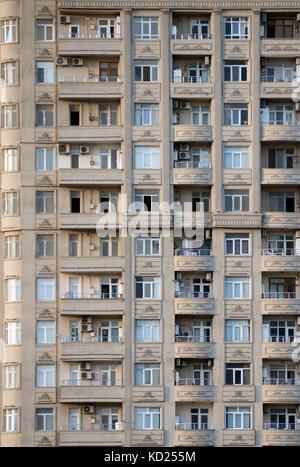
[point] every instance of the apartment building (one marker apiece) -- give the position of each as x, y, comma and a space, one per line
147, 339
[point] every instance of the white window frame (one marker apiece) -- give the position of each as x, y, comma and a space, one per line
236, 112
149, 371
11, 420
111, 27
12, 290
46, 198
241, 22
238, 413
72, 34
109, 110
9, 32
147, 327
144, 23
107, 153
9, 73
153, 71
147, 157
13, 333
45, 332
47, 245
237, 197
236, 157
239, 288
199, 24
284, 154
44, 26
46, 414
146, 114
283, 195
238, 244
10, 160
145, 245
199, 114
45, 113
240, 67
9, 116
239, 329
48, 72
240, 369
150, 287
10, 377
12, 246
10, 203
47, 375
45, 289
147, 417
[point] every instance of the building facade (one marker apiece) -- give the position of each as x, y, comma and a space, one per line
152, 339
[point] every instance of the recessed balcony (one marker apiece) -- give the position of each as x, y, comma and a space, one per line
280, 176
92, 176
280, 260
281, 220
78, 264
186, 43
187, 87
192, 347
273, 435
91, 435
192, 132
191, 259
85, 87
191, 389
188, 173
280, 48
280, 347
281, 390
88, 304
188, 434
285, 132
91, 348
87, 391
86, 221
89, 43
89, 134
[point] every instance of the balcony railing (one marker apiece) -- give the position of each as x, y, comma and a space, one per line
279, 426
288, 78
280, 381
192, 339
279, 339
280, 252
89, 79
190, 79
190, 165
92, 427
279, 295
190, 294
180, 36
89, 35
281, 122
90, 339
191, 382
95, 295
97, 380
191, 252
191, 426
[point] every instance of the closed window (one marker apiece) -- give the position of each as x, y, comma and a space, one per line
200, 115
12, 290
147, 287
45, 332
11, 420
109, 246
45, 376
44, 202
44, 72
9, 73
9, 116
146, 114
147, 245
44, 419
9, 30
236, 200
235, 71
235, 114
147, 418
237, 418
235, 28
237, 373
236, 157
281, 201
277, 115
145, 70
237, 331
199, 28
44, 115
147, 330
110, 159
147, 374
281, 158
44, 30
12, 247
145, 27
44, 159
12, 333
44, 245
10, 377
10, 160
45, 289
147, 157
108, 114
10, 203
236, 244
73, 245
237, 287
280, 28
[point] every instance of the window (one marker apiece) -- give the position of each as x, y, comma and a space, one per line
197, 72
281, 244
74, 31
45, 289
145, 28
44, 202
110, 159
236, 244
237, 331
282, 287
74, 114
282, 419
147, 287
9, 73
200, 115
278, 72
235, 28
12, 247
146, 245
201, 376
277, 115
281, 201
109, 246
280, 28
45, 332
73, 245
237, 418
11, 420
12, 333
200, 197
44, 245
108, 114
147, 374
108, 201
147, 157
146, 114
44, 419
44, 115
10, 160
12, 290
44, 72
109, 288
147, 418
280, 158
145, 70
147, 330
44, 159
199, 28
75, 201
236, 200
235, 114
201, 332
109, 28
236, 157
237, 287
10, 203
44, 31
45, 376
9, 30
146, 200
237, 373
235, 71
108, 331
279, 374
279, 331
10, 377
108, 71
109, 418
199, 419
9, 116
201, 288
200, 159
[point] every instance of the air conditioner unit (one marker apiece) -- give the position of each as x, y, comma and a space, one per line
184, 155
91, 117
87, 375
175, 104
77, 62
297, 107
184, 147
88, 409
65, 20
208, 276
207, 60
87, 328
92, 247
263, 17
62, 61
92, 206
184, 105
298, 321
298, 16
85, 366
64, 149
298, 61
86, 319
207, 234
84, 149
92, 292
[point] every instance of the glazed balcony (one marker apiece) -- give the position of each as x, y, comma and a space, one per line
280, 260
85, 87
280, 176
191, 259
91, 348
188, 173
193, 434
90, 134
191, 389
91, 435
89, 44
90, 264
92, 176
87, 391
280, 390
193, 347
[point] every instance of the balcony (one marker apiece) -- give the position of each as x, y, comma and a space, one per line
83, 87
191, 434
239, 393
89, 44
280, 176
90, 348
237, 220
188, 173
91, 435
280, 260
280, 348
191, 347
281, 220
92, 176
191, 44
190, 87
277, 90
193, 259
90, 264
89, 304
238, 438
89, 134
280, 48
280, 304
273, 435
190, 305
86, 391
190, 390
86, 221
192, 132
280, 390
285, 132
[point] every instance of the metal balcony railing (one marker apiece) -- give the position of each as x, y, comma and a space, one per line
280, 381
89, 79
97, 380
89, 35
288, 78
280, 252
279, 339
190, 165
279, 426
192, 252
191, 382
180, 36
279, 295
95, 295
191, 294
191, 426
192, 339
281, 122
190, 79
91, 339
92, 427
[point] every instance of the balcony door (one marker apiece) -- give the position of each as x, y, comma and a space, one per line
109, 331
109, 418
282, 287
108, 71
